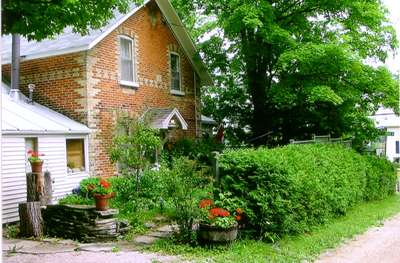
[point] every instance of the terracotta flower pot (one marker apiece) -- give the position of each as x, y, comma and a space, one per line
37, 166
214, 235
102, 201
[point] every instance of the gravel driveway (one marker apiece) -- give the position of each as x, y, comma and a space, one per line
377, 245
89, 257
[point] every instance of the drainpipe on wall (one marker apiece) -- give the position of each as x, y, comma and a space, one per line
15, 53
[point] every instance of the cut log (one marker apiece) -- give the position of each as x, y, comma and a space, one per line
31, 221
39, 188
48, 190
34, 186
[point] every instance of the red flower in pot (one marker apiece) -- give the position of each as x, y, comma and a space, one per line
101, 191
35, 161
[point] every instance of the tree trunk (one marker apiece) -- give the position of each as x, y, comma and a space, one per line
34, 186
39, 188
48, 190
31, 221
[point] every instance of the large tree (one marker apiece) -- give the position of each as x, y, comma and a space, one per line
40, 19
287, 69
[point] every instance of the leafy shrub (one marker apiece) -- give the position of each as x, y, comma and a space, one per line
195, 149
74, 199
184, 186
288, 189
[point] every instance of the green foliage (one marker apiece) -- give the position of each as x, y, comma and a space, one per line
11, 231
183, 185
134, 144
42, 19
74, 199
95, 185
289, 189
301, 248
195, 149
293, 68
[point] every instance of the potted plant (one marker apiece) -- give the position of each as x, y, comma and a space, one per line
218, 225
35, 161
101, 190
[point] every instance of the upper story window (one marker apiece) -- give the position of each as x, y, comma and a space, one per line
176, 79
127, 62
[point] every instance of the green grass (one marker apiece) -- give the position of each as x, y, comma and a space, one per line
305, 247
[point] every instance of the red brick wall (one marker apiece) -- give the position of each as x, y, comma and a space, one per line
153, 43
85, 86
59, 83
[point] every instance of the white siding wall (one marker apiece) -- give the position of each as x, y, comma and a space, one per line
391, 143
13, 187
13, 171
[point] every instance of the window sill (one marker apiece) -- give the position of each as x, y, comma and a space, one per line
129, 84
177, 92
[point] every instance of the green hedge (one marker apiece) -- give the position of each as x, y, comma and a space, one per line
291, 188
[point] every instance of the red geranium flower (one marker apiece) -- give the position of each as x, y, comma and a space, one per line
206, 203
216, 211
104, 183
238, 217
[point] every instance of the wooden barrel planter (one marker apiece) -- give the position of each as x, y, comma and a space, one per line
209, 234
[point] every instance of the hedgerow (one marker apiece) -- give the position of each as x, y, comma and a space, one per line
289, 189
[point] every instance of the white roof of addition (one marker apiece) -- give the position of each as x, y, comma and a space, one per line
20, 117
386, 118
69, 42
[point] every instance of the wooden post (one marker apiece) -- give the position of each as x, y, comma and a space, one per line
39, 188
30, 218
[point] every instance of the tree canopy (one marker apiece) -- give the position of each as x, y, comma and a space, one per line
287, 69
40, 19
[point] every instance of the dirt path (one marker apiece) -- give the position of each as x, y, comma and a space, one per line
377, 245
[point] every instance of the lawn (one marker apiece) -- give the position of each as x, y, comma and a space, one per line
293, 248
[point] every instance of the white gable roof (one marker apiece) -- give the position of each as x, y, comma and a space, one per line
69, 42
385, 118
161, 118
20, 117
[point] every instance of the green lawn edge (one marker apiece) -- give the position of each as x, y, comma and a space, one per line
300, 248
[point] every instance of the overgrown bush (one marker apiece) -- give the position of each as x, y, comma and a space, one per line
195, 149
184, 185
291, 188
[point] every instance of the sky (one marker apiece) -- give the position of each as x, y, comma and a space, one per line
393, 63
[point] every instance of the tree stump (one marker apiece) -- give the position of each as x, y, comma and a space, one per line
31, 221
48, 190
39, 188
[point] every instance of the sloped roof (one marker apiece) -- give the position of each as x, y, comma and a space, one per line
69, 42
161, 118
385, 118
20, 117
207, 120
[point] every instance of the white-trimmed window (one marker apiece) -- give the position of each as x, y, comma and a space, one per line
127, 62
76, 159
176, 78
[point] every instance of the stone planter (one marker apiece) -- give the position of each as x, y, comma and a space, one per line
102, 201
209, 234
36, 166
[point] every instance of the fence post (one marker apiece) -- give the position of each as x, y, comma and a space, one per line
215, 166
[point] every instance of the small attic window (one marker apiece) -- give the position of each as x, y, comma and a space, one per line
128, 74
176, 74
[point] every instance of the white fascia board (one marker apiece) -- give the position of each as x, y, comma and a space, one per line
51, 53
176, 113
183, 37
113, 27
83, 132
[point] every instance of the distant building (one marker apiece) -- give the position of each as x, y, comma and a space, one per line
390, 144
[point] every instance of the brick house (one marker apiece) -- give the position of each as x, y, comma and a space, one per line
140, 61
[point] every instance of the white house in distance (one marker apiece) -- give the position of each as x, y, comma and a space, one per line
386, 119
28, 125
